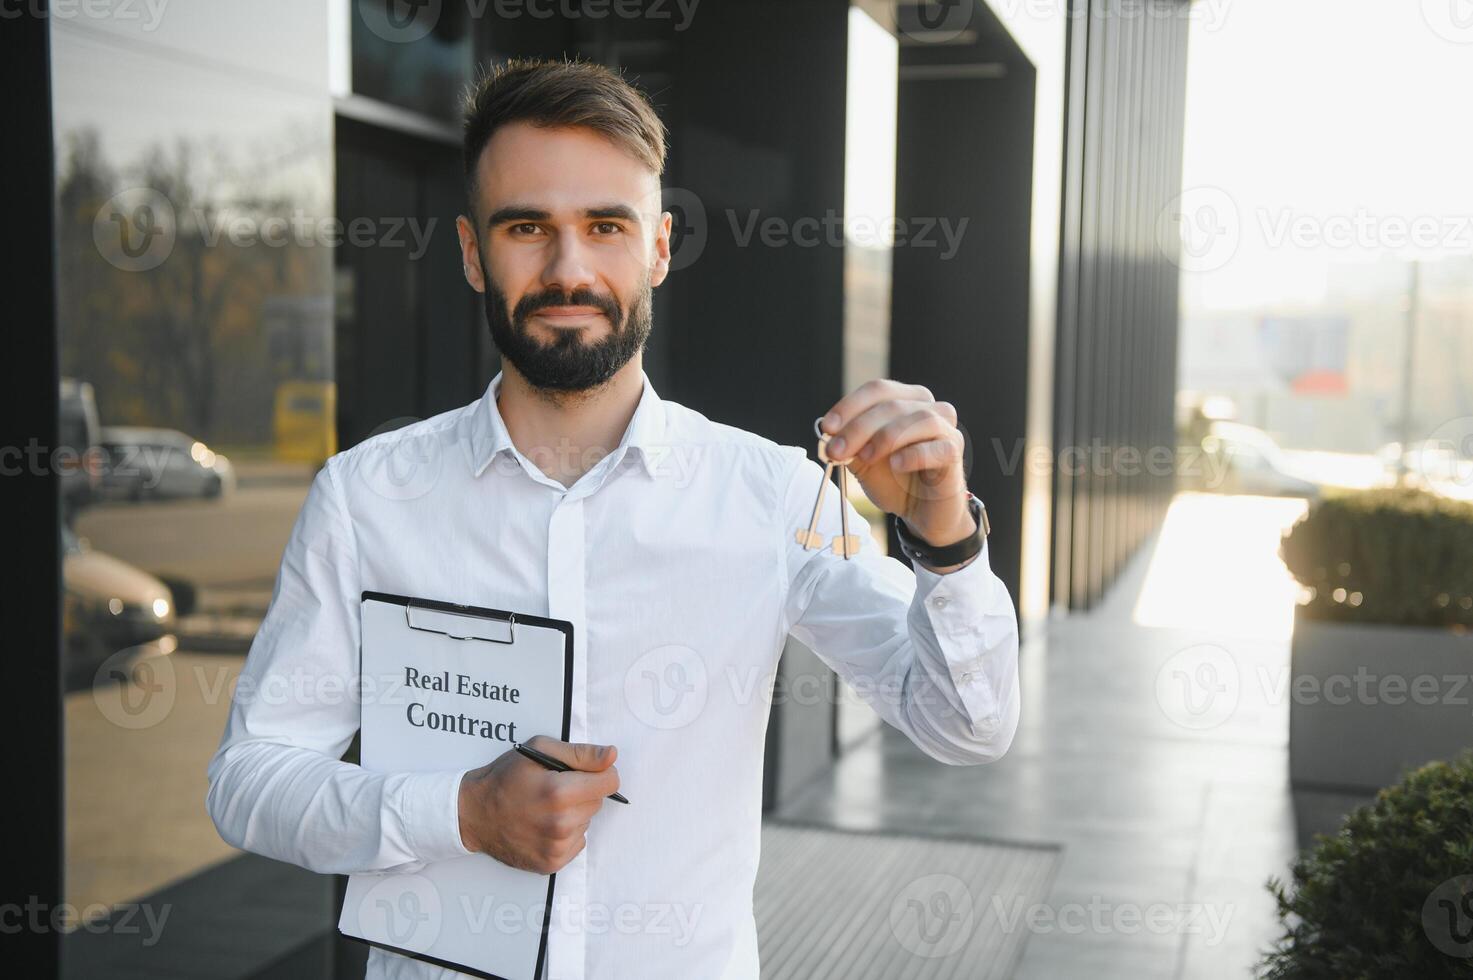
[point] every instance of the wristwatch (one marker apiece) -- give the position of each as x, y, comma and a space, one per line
953, 554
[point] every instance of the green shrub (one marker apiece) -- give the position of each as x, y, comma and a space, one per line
1387, 896
1399, 556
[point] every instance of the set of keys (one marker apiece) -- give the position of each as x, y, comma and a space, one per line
845, 544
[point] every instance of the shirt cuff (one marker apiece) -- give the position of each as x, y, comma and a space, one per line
432, 814
961, 606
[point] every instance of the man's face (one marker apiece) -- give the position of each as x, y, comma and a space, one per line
569, 246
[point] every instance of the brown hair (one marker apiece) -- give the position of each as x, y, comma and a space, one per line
560, 93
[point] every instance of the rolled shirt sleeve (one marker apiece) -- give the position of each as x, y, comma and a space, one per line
935, 655
277, 783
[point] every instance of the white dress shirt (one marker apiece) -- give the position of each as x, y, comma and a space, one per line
675, 558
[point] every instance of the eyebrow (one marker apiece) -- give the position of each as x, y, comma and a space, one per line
522, 212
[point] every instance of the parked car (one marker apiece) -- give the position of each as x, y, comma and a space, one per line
80, 475
1431, 464
110, 607
1251, 462
146, 463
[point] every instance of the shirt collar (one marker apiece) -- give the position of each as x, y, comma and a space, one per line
645, 432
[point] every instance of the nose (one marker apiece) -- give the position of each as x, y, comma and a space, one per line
569, 266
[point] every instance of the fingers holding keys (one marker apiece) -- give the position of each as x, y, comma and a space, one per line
907, 452
529, 817
881, 416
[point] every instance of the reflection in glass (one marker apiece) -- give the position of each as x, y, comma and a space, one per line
193, 196
413, 55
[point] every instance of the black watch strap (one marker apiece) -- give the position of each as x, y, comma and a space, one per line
953, 554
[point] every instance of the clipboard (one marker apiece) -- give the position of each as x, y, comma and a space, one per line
418, 714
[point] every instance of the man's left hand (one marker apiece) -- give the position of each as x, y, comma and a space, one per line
906, 451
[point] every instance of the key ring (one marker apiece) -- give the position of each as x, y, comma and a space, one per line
823, 443
845, 544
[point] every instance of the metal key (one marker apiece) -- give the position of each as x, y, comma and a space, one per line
845, 544
810, 537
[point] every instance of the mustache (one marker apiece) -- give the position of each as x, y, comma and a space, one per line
607, 305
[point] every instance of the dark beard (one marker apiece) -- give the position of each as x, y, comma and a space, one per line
570, 363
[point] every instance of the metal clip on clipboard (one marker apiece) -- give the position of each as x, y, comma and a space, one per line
435, 620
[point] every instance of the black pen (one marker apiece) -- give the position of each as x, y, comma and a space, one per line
556, 765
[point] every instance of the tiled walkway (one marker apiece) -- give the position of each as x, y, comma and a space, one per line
1173, 809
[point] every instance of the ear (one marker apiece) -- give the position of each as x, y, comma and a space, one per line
470, 253
661, 267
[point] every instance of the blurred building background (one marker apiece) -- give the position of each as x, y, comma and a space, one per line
256, 265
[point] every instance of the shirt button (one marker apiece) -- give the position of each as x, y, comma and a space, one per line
939, 602
966, 676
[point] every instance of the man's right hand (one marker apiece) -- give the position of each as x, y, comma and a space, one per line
532, 818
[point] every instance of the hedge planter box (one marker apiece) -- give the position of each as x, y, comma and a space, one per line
1367, 701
